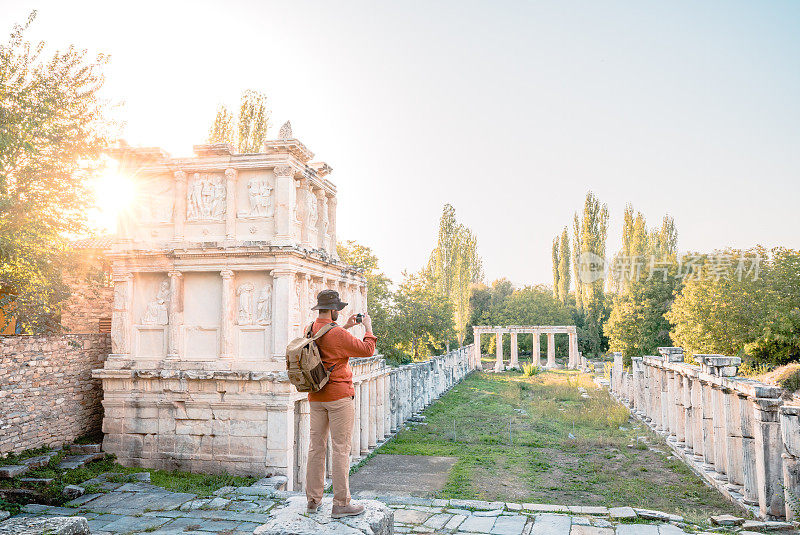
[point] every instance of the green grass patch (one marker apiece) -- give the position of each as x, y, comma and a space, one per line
539, 438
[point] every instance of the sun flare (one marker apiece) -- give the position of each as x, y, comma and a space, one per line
114, 195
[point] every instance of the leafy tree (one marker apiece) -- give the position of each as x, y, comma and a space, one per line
757, 317
52, 132
563, 268
454, 266
378, 290
422, 319
247, 132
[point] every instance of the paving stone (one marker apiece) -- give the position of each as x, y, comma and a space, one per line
71, 462
85, 448
36, 480
454, 522
437, 521
650, 514
82, 500
545, 508
40, 460
509, 525
776, 525
622, 513
590, 530
127, 524
495, 512
291, 518
410, 516
100, 521
54, 525
513, 506
588, 510
637, 529
581, 521
12, 470
480, 524
551, 524
477, 504
72, 491
669, 529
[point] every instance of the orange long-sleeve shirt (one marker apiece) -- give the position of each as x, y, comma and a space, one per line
337, 347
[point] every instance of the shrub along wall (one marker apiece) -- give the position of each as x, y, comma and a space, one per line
47, 394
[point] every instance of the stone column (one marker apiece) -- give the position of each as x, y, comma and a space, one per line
322, 220
373, 410
387, 403
790, 432
355, 447
304, 429
332, 224
573, 350
284, 182
688, 414
720, 432
733, 425
226, 316
746, 423
536, 348
769, 464
175, 313
179, 213
551, 350
708, 425
380, 418
364, 420
230, 204
680, 415
514, 351
498, 365
282, 289
302, 212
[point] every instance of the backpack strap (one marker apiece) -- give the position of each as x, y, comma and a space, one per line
323, 331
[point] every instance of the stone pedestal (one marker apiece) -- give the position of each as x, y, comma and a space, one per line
292, 519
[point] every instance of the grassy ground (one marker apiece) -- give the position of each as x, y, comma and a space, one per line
14, 493
511, 435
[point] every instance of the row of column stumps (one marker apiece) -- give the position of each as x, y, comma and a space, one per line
575, 359
734, 431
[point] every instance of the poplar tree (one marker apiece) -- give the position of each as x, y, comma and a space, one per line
563, 268
556, 264
247, 131
576, 251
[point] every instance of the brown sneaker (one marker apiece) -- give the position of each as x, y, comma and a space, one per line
353, 509
312, 506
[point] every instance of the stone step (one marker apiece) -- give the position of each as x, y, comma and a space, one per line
54, 525
40, 460
13, 470
36, 480
71, 462
85, 448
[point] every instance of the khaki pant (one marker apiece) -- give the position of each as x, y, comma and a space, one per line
336, 417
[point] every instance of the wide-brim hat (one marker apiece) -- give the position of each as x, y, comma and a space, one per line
329, 300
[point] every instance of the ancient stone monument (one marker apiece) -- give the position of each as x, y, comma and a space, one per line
215, 268
576, 360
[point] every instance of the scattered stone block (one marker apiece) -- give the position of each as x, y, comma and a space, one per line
622, 513
272, 482
71, 462
73, 491
726, 520
143, 477
85, 448
51, 525
4, 515
40, 460
777, 525
650, 514
13, 470
36, 480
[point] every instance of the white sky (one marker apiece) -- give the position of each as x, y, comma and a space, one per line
510, 111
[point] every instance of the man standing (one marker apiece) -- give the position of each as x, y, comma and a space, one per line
333, 406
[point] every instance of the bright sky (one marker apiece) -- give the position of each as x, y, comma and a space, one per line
510, 111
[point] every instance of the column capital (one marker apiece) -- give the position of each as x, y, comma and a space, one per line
180, 175
283, 170
283, 272
231, 173
226, 273
175, 273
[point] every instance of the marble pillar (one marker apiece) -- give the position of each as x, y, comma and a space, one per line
322, 220
746, 424
551, 350
332, 225
283, 208
387, 403
364, 420
355, 447
498, 365
769, 464
226, 319
536, 355
380, 417
720, 432
230, 204
514, 351
573, 350
373, 409
175, 314
477, 357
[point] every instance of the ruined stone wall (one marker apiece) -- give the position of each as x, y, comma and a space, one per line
89, 305
47, 394
739, 434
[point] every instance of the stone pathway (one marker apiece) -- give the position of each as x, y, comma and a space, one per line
135, 507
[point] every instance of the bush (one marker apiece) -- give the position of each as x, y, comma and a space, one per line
530, 369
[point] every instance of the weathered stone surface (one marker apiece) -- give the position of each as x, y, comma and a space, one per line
726, 520
551, 524
72, 491
657, 515
54, 525
622, 513
4, 515
291, 519
13, 470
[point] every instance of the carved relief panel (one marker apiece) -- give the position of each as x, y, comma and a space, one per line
150, 314
254, 309
205, 198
